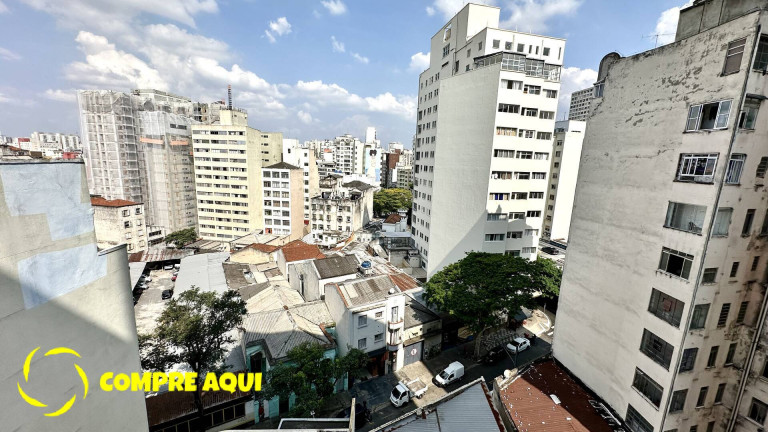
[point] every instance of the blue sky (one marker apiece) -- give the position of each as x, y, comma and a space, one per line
308, 68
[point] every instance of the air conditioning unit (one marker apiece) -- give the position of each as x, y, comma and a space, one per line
703, 179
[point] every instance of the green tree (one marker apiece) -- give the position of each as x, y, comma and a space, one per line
387, 201
181, 238
193, 329
482, 289
311, 376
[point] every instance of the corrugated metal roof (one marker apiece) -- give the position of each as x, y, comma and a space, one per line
159, 254
316, 312
136, 269
273, 297
281, 331
368, 290
169, 406
332, 267
204, 271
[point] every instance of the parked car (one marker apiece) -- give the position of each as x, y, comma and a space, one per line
167, 294
176, 273
494, 355
362, 414
518, 345
550, 250
452, 373
177, 266
405, 391
146, 278
173, 278
168, 267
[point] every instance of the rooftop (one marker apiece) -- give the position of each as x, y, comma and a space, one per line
102, 202
204, 271
417, 314
357, 184
266, 248
168, 406
527, 399
367, 290
282, 330
282, 165
297, 250
332, 267
465, 409
393, 218
156, 254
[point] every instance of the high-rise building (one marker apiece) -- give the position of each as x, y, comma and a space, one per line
48, 142
284, 200
564, 170
580, 100
229, 156
486, 113
62, 295
304, 156
137, 148
662, 306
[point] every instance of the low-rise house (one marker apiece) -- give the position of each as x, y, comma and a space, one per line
256, 253
369, 315
119, 222
310, 278
295, 252
395, 222
423, 332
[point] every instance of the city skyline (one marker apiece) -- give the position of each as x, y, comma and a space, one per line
351, 79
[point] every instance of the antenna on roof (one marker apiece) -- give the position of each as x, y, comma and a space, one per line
656, 36
229, 96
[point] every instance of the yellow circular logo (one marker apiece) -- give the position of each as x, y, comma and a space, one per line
34, 402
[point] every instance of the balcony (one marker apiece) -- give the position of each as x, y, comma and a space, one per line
395, 325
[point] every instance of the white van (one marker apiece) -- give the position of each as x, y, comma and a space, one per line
452, 373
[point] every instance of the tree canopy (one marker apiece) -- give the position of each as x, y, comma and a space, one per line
311, 376
387, 201
181, 238
193, 329
482, 289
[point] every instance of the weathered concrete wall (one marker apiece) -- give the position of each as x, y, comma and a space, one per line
59, 291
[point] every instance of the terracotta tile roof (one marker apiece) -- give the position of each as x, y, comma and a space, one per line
264, 247
169, 406
297, 250
393, 218
403, 281
101, 202
528, 403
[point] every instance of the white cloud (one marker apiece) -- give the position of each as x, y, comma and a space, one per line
172, 39
280, 27
419, 62
449, 7
337, 46
533, 15
6, 54
430, 10
358, 57
3, 7
322, 95
666, 25
60, 95
335, 7
304, 117
573, 79
5, 99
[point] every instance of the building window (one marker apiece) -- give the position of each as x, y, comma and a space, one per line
689, 359
514, 234
551, 94
733, 56
647, 387
497, 216
496, 43
599, 88
731, 353
514, 85
379, 337
362, 343
719, 393
702, 399
722, 222
531, 89
494, 237
742, 312
709, 276
712, 356
636, 422
685, 217
498, 196
506, 131
666, 307
446, 50
748, 116
708, 116
509, 108
698, 168
675, 263
379, 314
735, 167
699, 318
504, 153
757, 411
761, 59
734, 269
362, 321
748, 219
533, 213
723, 318
656, 348
678, 400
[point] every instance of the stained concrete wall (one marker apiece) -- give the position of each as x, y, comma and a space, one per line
59, 291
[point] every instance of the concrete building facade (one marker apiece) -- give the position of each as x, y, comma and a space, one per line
283, 200
229, 156
498, 90
340, 209
662, 303
564, 171
119, 222
304, 156
580, 101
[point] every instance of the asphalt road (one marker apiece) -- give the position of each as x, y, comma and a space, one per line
376, 391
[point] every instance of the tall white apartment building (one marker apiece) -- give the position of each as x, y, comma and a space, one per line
284, 200
564, 170
229, 156
305, 157
662, 306
53, 142
486, 114
346, 152
579, 108
137, 147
